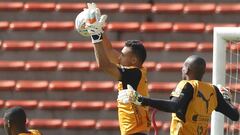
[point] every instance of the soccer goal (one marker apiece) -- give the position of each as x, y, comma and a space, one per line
226, 48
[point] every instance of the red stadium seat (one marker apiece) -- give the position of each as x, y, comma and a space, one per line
89, 105
41, 65
110, 105
80, 45
107, 124
150, 65
74, 66
234, 87
156, 27
167, 8
205, 46
159, 124
189, 27
169, 66
54, 104
110, 7
97, 85
226, 126
162, 86
228, 8
234, 47
209, 27
4, 25
1, 105
11, 6
123, 26
118, 44
7, 85
70, 6
94, 66
80, 123
133, 7
12, 65
51, 45
30, 104
115, 87
232, 67
235, 127
166, 126
209, 67
154, 45
30, 85
209, 126
45, 123
39, 6
180, 46
17, 45
1, 122
67, 25
34, 25
65, 85
201, 8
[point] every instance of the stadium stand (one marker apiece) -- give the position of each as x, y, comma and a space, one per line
48, 69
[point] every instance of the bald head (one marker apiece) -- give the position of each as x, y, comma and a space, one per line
194, 67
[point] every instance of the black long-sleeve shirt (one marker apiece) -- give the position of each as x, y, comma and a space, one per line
179, 104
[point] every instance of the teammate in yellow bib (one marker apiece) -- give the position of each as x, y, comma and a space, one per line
191, 102
31, 132
15, 122
194, 117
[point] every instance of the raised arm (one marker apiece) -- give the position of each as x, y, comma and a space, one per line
104, 62
112, 53
90, 22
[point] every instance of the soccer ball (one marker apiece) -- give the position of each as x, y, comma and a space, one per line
80, 23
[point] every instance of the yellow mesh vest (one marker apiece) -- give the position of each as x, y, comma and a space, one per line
33, 132
133, 118
199, 109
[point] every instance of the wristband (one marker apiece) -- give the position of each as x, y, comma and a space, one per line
96, 38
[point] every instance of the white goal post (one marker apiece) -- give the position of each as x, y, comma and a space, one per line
220, 37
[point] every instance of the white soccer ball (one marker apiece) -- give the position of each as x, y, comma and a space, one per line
80, 23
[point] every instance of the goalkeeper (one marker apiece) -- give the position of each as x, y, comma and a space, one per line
15, 122
192, 101
126, 67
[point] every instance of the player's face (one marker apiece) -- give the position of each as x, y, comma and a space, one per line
127, 58
184, 71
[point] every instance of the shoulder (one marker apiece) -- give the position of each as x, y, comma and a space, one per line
129, 69
35, 132
182, 86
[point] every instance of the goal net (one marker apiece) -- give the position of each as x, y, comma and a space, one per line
226, 69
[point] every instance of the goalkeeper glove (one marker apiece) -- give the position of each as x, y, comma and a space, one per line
225, 92
129, 95
90, 22
95, 22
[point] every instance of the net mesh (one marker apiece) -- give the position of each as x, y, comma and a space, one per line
232, 81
